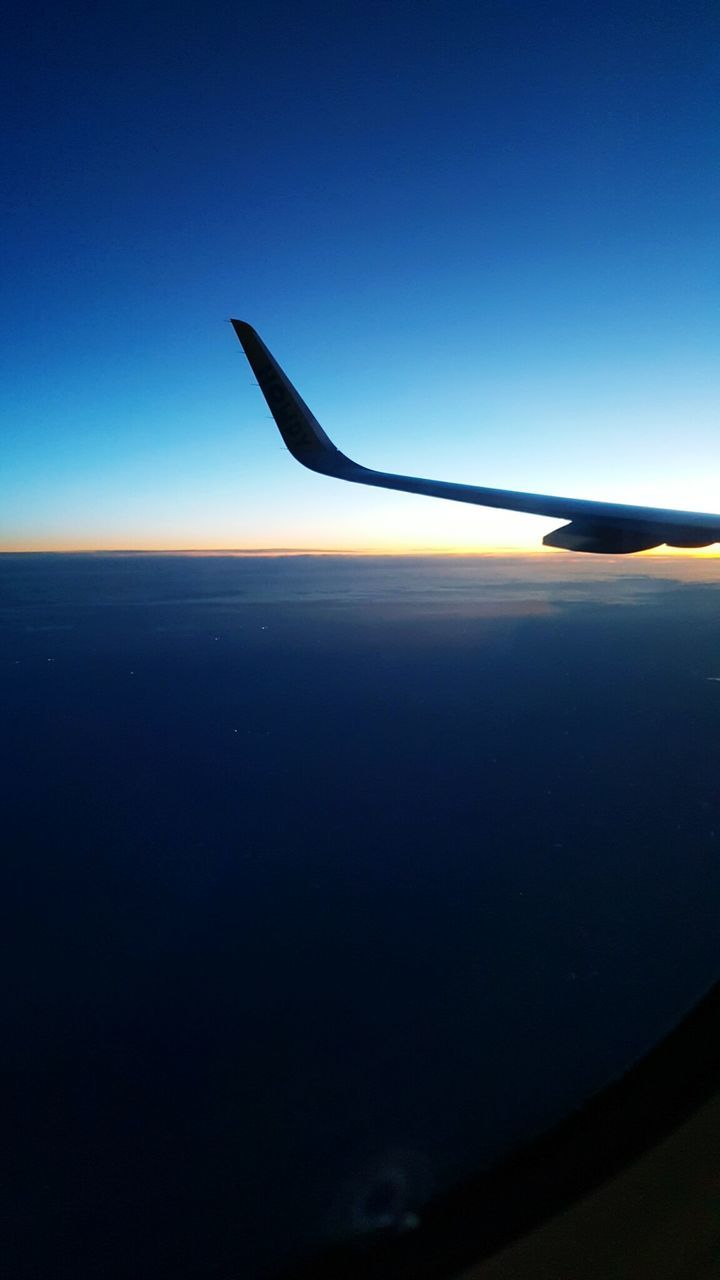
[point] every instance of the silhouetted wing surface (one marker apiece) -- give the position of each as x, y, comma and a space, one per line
605, 527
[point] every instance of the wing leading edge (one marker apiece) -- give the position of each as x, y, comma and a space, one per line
604, 527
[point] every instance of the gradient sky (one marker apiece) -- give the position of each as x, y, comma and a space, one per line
481, 238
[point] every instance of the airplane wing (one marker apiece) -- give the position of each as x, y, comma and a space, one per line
604, 527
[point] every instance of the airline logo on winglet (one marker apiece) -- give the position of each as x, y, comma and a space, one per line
284, 410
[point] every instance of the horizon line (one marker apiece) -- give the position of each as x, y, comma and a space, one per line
271, 551
259, 552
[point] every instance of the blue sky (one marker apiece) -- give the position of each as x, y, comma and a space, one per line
482, 240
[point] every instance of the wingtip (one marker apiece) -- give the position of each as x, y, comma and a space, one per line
243, 329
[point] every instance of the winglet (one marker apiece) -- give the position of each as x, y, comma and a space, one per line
298, 427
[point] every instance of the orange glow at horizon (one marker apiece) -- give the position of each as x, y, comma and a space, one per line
177, 547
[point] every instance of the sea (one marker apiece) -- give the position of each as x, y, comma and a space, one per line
330, 880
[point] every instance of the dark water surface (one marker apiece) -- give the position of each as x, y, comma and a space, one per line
325, 875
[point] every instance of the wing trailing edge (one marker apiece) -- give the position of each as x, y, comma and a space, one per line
606, 528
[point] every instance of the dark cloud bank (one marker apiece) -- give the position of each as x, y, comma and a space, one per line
322, 866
